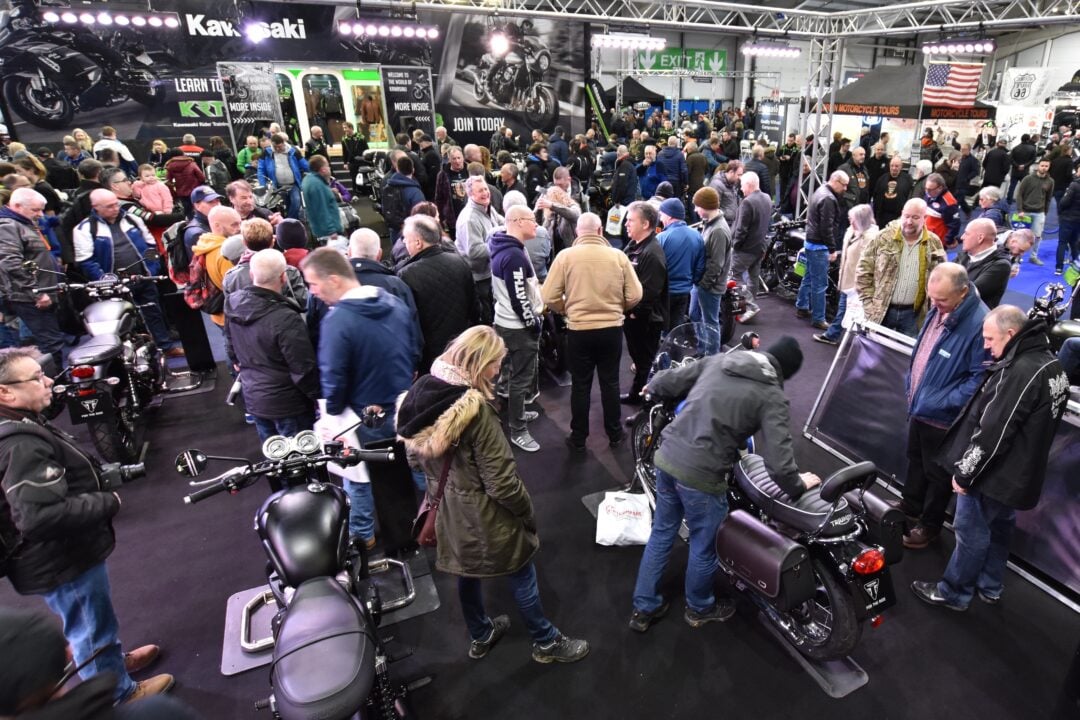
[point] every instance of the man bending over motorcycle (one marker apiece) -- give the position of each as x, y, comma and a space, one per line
729, 398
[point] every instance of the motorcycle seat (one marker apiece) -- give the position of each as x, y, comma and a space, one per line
324, 655
95, 350
806, 514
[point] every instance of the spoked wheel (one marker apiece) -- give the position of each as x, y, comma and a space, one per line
644, 440
825, 626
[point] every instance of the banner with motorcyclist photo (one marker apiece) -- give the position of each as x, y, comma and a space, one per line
251, 98
407, 94
864, 375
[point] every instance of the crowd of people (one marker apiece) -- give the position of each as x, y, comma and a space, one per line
481, 254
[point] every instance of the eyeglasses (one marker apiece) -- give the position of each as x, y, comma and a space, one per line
526, 219
39, 376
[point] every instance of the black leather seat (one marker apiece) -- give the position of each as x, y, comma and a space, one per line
95, 350
324, 657
805, 514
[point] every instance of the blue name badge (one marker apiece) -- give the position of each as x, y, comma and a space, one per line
944, 353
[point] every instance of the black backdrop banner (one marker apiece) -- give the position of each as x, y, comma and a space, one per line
407, 94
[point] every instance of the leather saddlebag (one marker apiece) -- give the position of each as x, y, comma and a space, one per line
774, 565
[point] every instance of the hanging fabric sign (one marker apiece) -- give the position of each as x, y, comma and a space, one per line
407, 93
251, 98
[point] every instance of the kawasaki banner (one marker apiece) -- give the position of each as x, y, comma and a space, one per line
251, 98
682, 59
407, 94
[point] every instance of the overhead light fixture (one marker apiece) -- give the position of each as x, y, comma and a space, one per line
960, 46
629, 41
108, 17
361, 28
774, 50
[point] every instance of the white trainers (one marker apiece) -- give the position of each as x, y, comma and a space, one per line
524, 441
530, 415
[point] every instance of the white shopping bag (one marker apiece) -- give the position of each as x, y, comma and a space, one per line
615, 218
327, 426
623, 519
854, 313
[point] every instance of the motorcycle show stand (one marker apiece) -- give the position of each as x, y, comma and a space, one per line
248, 645
837, 678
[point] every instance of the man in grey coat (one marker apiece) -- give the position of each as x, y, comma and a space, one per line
748, 237
475, 224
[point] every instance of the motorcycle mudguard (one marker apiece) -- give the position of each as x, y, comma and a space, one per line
774, 565
68, 68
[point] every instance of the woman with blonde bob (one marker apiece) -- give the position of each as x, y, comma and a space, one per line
485, 525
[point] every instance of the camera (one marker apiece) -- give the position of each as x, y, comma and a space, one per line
113, 475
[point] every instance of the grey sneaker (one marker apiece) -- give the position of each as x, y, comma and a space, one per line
1034, 260
499, 626
561, 649
721, 611
524, 441
530, 415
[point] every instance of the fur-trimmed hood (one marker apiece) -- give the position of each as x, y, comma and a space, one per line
433, 414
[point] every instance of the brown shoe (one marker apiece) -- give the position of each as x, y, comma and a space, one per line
920, 536
176, 352
901, 505
157, 685
141, 658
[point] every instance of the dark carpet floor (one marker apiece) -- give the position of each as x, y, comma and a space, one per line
175, 566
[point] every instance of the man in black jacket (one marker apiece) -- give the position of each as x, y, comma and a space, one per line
988, 265
891, 192
624, 186
429, 158
60, 524
442, 287
1021, 158
89, 172
353, 146
646, 319
1001, 443
822, 217
996, 165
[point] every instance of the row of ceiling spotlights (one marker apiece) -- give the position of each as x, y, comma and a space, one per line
154, 20
629, 42
958, 47
776, 51
408, 31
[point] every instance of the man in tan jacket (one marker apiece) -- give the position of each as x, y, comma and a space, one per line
593, 285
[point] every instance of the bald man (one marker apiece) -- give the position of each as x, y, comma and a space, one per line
988, 265
224, 223
112, 241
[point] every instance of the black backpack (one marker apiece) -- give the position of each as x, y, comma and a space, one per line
176, 252
394, 211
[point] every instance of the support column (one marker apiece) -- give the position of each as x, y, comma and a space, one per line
826, 59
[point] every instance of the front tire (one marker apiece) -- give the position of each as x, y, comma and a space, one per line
48, 108
644, 441
543, 109
826, 624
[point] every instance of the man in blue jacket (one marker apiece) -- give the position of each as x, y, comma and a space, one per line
367, 358
684, 251
558, 148
285, 167
947, 365
408, 191
671, 166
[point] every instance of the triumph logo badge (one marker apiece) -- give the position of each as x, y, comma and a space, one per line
1023, 86
90, 405
872, 588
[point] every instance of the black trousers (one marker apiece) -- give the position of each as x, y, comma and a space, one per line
589, 351
642, 342
929, 485
678, 310
485, 302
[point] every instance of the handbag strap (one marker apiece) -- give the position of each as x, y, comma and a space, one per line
441, 487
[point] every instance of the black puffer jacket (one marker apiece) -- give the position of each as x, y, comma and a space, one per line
1069, 207
445, 297
1001, 440
268, 339
650, 264
56, 503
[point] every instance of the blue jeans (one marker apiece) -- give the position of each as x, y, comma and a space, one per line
703, 513
814, 283
983, 528
287, 426
361, 497
1068, 242
836, 329
902, 320
85, 607
292, 209
44, 326
526, 595
705, 307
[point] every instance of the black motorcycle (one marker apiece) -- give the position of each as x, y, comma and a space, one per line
328, 661
512, 75
783, 267
50, 73
116, 371
1052, 306
816, 567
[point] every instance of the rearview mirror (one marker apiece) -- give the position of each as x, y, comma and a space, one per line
191, 463
749, 340
30, 266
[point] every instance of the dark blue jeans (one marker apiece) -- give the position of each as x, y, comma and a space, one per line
814, 283
85, 607
44, 326
1068, 241
293, 203
526, 595
983, 528
287, 426
902, 320
836, 329
703, 513
705, 307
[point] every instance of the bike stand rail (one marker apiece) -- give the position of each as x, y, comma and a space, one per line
838, 678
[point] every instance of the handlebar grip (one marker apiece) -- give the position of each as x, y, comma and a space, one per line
384, 455
203, 493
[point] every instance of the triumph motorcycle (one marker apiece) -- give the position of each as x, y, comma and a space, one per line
512, 73
1052, 307
329, 663
50, 73
784, 265
816, 567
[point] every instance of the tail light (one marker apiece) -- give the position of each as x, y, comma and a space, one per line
869, 561
82, 372
732, 284
876, 621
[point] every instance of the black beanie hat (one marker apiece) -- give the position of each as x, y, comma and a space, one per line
290, 234
39, 645
665, 190
786, 356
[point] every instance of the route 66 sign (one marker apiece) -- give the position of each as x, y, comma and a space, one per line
1023, 86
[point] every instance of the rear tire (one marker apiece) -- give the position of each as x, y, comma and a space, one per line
118, 439
826, 623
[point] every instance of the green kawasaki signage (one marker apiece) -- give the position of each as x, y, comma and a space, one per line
682, 58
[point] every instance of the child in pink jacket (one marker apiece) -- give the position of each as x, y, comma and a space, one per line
151, 193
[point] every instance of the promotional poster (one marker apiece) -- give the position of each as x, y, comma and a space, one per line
251, 98
163, 82
407, 91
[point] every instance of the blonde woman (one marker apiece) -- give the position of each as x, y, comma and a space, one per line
561, 214
861, 231
485, 525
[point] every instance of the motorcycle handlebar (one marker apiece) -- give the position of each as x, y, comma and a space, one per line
96, 284
203, 493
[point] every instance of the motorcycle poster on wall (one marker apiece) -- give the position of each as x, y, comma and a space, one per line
407, 93
251, 98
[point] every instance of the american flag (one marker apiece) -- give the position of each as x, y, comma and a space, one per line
954, 84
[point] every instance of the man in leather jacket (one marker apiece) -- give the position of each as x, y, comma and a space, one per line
60, 528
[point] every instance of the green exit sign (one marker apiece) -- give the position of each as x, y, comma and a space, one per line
682, 59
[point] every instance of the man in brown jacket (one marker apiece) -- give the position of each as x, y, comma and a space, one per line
593, 285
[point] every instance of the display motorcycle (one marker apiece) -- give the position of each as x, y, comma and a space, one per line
328, 661
784, 265
116, 371
370, 176
512, 75
1052, 307
51, 72
816, 567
